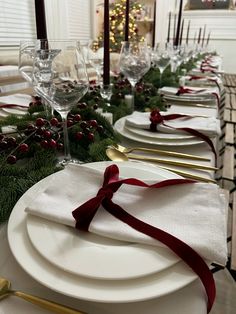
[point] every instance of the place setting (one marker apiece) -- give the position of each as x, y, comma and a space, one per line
110, 197
62, 252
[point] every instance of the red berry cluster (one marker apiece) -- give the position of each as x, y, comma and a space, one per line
88, 128
9, 144
47, 134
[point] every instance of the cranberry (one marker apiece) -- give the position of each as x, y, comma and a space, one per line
77, 117
11, 159
23, 148
90, 136
44, 144
69, 122
79, 135
52, 143
47, 134
93, 123
54, 122
39, 122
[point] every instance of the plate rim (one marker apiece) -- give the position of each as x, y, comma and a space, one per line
62, 263
119, 126
92, 290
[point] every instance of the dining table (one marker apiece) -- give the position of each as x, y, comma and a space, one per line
28, 270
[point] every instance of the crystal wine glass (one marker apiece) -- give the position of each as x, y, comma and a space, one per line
26, 57
106, 92
95, 57
60, 77
25, 65
161, 60
135, 61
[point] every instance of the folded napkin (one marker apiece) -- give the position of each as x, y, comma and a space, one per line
195, 213
16, 99
208, 126
196, 91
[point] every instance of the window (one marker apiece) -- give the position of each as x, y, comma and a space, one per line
79, 21
17, 22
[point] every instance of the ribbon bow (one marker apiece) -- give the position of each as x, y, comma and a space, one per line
85, 213
156, 118
196, 77
184, 90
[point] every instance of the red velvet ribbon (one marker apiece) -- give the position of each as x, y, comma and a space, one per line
156, 118
207, 68
183, 90
85, 213
196, 77
12, 106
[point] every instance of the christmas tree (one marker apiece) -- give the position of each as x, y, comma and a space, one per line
117, 23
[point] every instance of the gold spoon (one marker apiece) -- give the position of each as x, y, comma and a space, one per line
159, 151
112, 151
43, 303
116, 155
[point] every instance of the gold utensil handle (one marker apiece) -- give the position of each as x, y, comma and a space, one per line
46, 304
172, 162
189, 175
169, 153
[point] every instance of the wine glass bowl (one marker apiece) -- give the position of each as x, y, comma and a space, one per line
26, 57
161, 60
135, 61
106, 92
95, 55
60, 76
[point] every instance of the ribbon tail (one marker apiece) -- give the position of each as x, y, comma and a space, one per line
84, 214
184, 251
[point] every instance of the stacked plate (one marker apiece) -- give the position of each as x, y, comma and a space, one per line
154, 138
90, 267
204, 96
21, 102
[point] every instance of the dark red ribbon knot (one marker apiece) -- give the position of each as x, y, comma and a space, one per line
12, 106
156, 118
184, 90
85, 213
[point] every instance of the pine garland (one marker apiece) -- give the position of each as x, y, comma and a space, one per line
37, 163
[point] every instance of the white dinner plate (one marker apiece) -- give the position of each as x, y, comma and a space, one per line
191, 99
76, 251
158, 135
120, 127
130, 290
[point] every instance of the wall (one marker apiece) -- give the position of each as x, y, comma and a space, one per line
221, 24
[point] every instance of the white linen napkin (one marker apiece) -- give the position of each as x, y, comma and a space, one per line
200, 92
16, 99
209, 126
194, 213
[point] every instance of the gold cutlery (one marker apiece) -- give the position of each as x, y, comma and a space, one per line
43, 303
112, 151
122, 157
158, 151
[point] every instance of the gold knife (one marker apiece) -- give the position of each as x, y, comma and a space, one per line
172, 162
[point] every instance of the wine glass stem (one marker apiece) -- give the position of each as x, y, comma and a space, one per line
67, 155
133, 96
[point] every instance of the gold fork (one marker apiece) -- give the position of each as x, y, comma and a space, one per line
43, 303
128, 150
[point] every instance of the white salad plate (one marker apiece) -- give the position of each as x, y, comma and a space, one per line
121, 128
